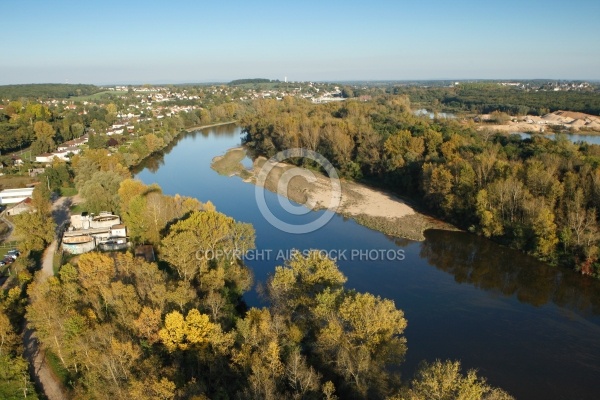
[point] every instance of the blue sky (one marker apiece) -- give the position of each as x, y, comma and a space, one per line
104, 42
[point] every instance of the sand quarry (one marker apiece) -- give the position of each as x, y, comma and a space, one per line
574, 121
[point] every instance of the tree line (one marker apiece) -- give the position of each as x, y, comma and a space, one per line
484, 98
47, 90
536, 195
252, 80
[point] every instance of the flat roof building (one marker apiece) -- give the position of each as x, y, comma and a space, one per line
12, 196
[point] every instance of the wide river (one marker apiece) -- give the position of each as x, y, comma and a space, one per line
531, 329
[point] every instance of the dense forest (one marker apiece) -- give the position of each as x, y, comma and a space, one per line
245, 81
47, 91
484, 98
539, 196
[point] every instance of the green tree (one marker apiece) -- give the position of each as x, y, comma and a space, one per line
36, 230
100, 192
295, 285
44, 133
14, 379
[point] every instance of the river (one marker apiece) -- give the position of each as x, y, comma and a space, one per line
575, 138
532, 329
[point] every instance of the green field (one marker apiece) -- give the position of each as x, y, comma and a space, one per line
15, 181
68, 191
107, 94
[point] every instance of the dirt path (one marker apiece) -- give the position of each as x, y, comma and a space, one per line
48, 260
41, 372
11, 228
34, 353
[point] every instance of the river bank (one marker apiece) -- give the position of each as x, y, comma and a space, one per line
375, 209
195, 128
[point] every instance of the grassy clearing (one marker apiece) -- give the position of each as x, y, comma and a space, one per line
77, 209
25, 155
57, 262
68, 191
63, 375
15, 181
99, 95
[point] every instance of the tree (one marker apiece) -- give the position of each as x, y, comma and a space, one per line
95, 271
100, 192
35, 229
362, 338
8, 337
128, 189
44, 133
14, 379
444, 381
489, 221
544, 229
203, 240
195, 330
295, 285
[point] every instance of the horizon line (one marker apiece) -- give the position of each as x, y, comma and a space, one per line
208, 82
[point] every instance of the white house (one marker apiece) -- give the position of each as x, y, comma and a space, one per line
44, 157
21, 207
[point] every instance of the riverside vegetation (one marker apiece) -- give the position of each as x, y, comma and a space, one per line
116, 326
536, 195
124, 328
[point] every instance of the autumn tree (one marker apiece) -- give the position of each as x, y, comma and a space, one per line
36, 230
361, 339
44, 133
444, 380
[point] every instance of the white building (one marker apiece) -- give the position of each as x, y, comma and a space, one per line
44, 158
12, 196
87, 231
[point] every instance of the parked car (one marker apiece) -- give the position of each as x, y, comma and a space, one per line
2, 263
8, 260
13, 254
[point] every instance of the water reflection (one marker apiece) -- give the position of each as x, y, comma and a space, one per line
490, 267
591, 139
157, 160
432, 115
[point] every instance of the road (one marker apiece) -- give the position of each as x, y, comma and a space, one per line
10, 226
34, 353
60, 212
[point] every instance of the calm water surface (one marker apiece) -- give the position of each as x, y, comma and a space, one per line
531, 329
592, 139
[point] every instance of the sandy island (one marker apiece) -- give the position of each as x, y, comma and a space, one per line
375, 209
